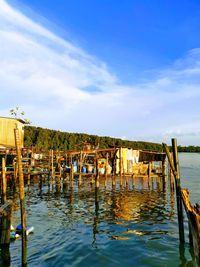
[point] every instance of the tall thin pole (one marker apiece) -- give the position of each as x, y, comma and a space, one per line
176, 173
52, 170
21, 196
4, 184
97, 172
80, 168
178, 190
120, 162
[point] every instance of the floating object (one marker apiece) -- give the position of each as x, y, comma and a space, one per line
14, 236
29, 230
19, 229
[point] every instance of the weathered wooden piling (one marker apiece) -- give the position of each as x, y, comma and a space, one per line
193, 214
4, 182
176, 172
29, 176
52, 166
5, 223
120, 163
15, 166
178, 189
106, 170
71, 177
97, 173
21, 196
170, 174
80, 168
164, 170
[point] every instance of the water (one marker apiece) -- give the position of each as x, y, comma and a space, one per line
128, 226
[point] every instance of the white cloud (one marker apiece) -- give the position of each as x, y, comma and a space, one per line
60, 86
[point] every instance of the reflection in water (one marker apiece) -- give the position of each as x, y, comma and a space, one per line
84, 225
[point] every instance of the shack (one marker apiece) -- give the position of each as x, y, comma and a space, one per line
7, 126
114, 160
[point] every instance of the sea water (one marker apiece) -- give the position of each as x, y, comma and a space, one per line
132, 225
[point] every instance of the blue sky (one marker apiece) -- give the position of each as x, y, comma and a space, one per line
128, 69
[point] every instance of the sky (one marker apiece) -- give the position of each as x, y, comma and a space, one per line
126, 69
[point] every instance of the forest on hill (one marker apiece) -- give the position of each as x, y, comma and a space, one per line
46, 139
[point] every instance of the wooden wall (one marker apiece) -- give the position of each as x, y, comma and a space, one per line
7, 126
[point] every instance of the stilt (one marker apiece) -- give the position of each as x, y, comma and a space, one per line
71, 174
176, 172
5, 223
4, 182
80, 169
22, 200
120, 163
97, 173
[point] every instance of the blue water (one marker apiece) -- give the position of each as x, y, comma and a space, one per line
112, 226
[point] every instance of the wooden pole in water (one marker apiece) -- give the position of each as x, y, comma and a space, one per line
4, 183
52, 170
97, 173
15, 175
29, 175
80, 169
170, 175
149, 173
164, 173
5, 223
71, 173
120, 163
178, 190
106, 174
193, 214
21, 196
176, 172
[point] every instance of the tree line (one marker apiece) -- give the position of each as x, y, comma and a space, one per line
45, 139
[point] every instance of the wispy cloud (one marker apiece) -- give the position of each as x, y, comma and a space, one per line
60, 86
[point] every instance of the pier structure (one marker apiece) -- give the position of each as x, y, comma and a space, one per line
21, 165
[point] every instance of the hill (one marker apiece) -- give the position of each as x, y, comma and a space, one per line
46, 139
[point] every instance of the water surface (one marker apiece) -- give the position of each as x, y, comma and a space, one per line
133, 225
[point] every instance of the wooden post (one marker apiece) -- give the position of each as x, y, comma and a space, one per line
120, 163
164, 174
97, 173
178, 190
15, 175
4, 183
5, 223
80, 169
58, 183
106, 174
52, 168
21, 196
113, 180
193, 214
176, 172
95, 224
149, 173
29, 175
170, 174
71, 174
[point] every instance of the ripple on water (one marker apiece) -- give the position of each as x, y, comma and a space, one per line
112, 227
